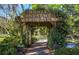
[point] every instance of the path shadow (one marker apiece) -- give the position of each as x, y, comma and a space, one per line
39, 48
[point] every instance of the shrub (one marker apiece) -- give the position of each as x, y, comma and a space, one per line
57, 35
67, 51
10, 44
8, 47
13, 41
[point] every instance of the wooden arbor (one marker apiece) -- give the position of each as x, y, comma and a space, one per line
32, 18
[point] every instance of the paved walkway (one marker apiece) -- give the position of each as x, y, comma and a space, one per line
38, 48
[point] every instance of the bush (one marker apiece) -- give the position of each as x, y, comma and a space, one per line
56, 37
14, 40
8, 47
67, 51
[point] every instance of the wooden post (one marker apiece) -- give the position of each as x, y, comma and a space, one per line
27, 35
24, 34
30, 35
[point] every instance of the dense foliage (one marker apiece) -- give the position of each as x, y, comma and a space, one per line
12, 41
56, 38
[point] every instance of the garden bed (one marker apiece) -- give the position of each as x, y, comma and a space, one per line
67, 51
71, 48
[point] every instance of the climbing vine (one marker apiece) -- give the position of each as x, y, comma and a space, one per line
56, 37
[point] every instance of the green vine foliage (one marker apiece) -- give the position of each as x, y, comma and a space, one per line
57, 36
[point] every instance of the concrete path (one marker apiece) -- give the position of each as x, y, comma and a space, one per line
38, 48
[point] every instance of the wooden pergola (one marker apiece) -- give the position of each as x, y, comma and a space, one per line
31, 18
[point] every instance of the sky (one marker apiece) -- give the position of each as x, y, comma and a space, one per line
26, 6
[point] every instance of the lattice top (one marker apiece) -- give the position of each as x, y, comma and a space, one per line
38, 16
